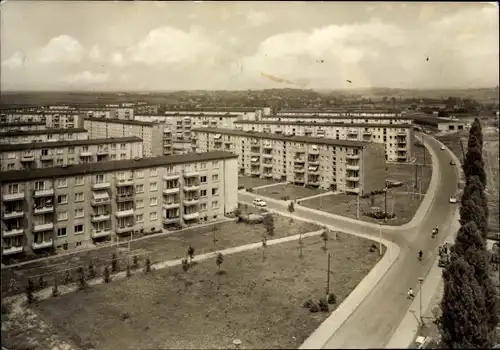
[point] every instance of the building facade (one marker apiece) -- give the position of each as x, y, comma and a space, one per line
48, 135
64, 153
397, 138
22, 126
53, 119
150, 133
338, 165
63, 208
339, 118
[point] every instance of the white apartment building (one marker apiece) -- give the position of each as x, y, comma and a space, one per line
337, 165
55, 119
150, 133
347, 119
397, 138
22, 126
338, 112
65, 153
244, 112
48, 135
64, 208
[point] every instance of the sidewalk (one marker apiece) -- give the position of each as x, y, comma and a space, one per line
316, 196
270, 185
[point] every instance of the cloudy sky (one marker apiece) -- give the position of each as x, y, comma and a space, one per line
121, 46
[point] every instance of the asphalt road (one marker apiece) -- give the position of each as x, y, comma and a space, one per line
375, 320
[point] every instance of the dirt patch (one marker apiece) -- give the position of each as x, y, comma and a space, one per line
251, 182
258, 301
290, 191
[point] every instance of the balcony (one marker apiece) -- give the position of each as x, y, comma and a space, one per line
100, 201
351, 156
13, 214
43, 227
313, 169
191, 201
352, 167
124, 213
299, 159
172, 220
100, 233
367, 133
48, 192
255, 171
125, 182
124, 229
101, 185
102, 151
352, 132
267, 155
401, 156
401, 149
171, 176
27, 158
313, 161
17, 231
313, 182
352, 189
171, 190
299, 170
100, 217
191, 187
44, 210
171, 205
268, 174
352, 178
314, 151
46, 157
192, 173
255, 159
124, 197
401, 133
267, 146
12, 250
42, 245
191, 216
267, 165
84, 154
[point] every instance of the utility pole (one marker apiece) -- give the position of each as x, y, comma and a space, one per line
328, 278
385, 204
420, 281
380, 239
416, 176
393, 199
423, 148
357, 207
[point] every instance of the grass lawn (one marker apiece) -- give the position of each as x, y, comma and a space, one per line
258, 301
251, 182
166, 247
291, 191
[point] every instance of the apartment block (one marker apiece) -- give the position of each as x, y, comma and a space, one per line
22, 126
48, 135
64, 119
63, 208
397, 138
332, 112
338, 165
150, 133
245, 112
347, 119
59, 153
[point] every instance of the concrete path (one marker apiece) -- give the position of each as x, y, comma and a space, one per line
270, 185
316, 196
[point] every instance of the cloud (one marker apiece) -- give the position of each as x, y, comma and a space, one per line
86, 78
257, 18
61, 49
15, 61
95, 54
117, 59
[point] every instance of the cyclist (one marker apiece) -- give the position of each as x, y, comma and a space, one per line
420, 253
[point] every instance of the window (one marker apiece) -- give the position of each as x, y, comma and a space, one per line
153, 201
71, 150
154, 172
153, 216
13, 189
62, 199
39, 185
215, 191
61, 232
169, 169
215, 164
99, 179
203, 165
215, 204
203, 206
215, 177
60, 151
113, 157
203, 193
79, 180
78, 244
11, 155
203, 179
79, 213
139, 203
79, 197
139, 188
153, 186
139, 174
123, 146
123, 155
78, 229
62, 183
60, 161
113, 147
139, 218
62, 215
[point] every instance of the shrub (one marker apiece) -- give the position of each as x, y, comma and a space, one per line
185, 265
114, 263
55, 288
129, 272
323, 305
135, 262
269, 224
379, 214
250, 190
237, 212
307, 304
314, 307
92, 273
81, 278
5, 307
107, 277
41, 283
148, 265
332, 298
29, 292
67, 277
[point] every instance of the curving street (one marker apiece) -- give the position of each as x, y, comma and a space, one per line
378, 316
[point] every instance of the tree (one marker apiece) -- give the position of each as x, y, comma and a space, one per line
301, 246
461, 323
470, 211
190, 253
475, 187
129, 271
148, 265
324, 237
92, 273
107, 277
55, 288
477, 132
219, 261
135, 262
291, 207
473, 162
264, 246
269, 224
185, 265
82, 283
114, 263
30, 289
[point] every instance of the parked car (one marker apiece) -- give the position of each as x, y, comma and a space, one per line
453, 199
259, 202
443, 148
452, 162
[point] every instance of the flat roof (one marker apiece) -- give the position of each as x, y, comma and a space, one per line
315, 116
304, 139
111, 166
201, 109
431, 120
340, 109
43, 112
120, 121
42, 132
299, 123
70, 143
21, 123
202, 114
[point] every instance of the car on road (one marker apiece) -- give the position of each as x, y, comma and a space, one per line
453, 199
259, 202
442, 148
452, 162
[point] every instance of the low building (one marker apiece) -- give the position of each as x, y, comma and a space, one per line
337, 165
441, 124
22, 126
397, 138
66, 207
53, 119
60, 153
48, 135
150, 133
339, 112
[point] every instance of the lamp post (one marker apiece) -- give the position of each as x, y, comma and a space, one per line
380, 239
420, 281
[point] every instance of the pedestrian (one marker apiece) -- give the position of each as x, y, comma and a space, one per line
445, 248
440, 251
410, 294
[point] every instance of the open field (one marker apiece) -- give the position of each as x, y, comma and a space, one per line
251, 182
403, 201
258, 301
161, 248
293, 192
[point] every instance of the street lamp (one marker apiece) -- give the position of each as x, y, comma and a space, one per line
380, 239
420, 281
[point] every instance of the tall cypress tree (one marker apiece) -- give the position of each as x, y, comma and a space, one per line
477, 132
474, 186
470, 211
473, 162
